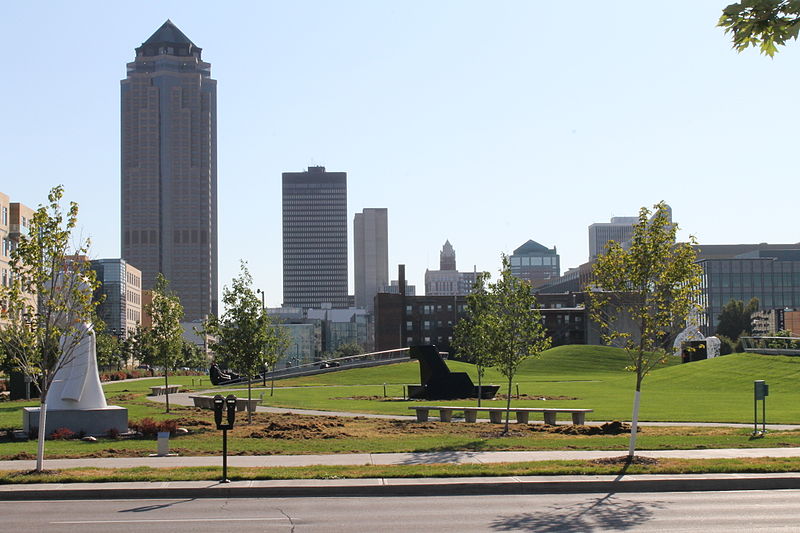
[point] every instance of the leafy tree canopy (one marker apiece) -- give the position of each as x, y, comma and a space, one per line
765, 24
734, 319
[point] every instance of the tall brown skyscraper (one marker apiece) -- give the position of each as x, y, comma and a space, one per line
169, 169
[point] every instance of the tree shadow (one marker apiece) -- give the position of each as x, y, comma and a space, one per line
600, 514
444, 455
155, 507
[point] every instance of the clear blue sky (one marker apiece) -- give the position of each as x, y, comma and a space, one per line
485, 123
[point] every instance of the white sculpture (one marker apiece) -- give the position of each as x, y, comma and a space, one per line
712, 347
76, 385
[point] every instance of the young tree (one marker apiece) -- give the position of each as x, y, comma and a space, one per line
166, 334
244, 332
763, 23
734, 318
513, 326
47, 301
470, 335
643, 295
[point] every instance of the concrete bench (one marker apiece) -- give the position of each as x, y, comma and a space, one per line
207, 402
159, 390
522, 414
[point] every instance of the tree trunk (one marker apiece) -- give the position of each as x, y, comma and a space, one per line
480, 392
634, 422
272, 382
42, 434
249, 399
508, 405
166, 382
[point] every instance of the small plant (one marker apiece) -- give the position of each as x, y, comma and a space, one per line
63, 434
150, 428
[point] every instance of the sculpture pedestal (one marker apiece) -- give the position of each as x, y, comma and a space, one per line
95, 422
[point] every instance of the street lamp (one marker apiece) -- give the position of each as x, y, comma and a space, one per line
263, 310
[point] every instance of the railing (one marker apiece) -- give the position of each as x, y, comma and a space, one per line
339, 363
771, 345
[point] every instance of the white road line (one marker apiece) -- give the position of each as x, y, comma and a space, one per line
153, 520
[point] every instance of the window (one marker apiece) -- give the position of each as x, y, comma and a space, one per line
5, 215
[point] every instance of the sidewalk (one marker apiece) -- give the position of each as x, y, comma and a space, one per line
398, 486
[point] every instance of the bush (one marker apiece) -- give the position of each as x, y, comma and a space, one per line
150, 428
63, 434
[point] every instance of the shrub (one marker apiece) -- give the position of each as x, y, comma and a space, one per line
150, 428
63, 434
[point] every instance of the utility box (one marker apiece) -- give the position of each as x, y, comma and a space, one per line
761, 389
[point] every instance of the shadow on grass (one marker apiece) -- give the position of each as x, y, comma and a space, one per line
600, 514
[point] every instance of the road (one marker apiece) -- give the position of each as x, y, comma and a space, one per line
773, 510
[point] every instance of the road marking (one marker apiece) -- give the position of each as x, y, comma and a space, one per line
153, 520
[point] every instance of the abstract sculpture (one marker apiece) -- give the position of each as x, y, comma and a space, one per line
438, 383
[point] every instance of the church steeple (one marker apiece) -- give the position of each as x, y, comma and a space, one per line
169, 40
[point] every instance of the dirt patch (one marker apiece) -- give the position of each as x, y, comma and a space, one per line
21, 456
297, 428
533, 397
375, 398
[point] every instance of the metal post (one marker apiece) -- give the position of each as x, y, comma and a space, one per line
764, 415
755, 414
225, 457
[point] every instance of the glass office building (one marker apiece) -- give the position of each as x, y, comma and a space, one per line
771, 276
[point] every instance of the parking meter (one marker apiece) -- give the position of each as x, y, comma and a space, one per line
230, 404
219, 403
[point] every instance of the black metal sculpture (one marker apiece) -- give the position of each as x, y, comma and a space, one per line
218, 377
438, 383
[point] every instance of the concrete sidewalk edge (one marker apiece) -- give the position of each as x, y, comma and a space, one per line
399, 487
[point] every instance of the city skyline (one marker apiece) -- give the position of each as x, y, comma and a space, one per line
466, 120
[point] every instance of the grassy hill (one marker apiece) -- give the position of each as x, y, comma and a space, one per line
719, 390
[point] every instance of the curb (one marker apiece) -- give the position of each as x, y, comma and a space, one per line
385, 487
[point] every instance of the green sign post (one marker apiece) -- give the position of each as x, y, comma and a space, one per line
761, 391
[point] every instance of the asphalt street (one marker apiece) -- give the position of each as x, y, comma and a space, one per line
647, 512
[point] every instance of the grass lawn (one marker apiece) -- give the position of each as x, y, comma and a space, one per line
539, 468
718, 390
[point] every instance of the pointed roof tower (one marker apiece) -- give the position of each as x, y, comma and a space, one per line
447, 257
169, 40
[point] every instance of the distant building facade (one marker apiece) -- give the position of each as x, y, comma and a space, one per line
447, 281
315, 239
619, 229
120, 295
169, 169
535, 263
371, 251
15, 219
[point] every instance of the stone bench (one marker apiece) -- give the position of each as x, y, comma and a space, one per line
160, 390
496, 413
207, 402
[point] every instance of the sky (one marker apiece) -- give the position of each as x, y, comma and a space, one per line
482, 123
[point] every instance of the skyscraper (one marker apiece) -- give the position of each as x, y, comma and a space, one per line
371, 250
620, 229
169, 169
315, 238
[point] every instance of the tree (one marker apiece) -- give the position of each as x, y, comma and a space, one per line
166, 334
47, 301
766, 24
191, 356
470, 335
734, 319
244, 332
509, 324
348, 349
643, 295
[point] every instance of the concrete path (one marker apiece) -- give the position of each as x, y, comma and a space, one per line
417, 458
